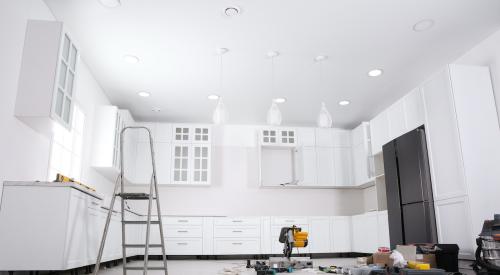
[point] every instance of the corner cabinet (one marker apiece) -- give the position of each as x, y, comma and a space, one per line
106, 146
191, 155
48, 71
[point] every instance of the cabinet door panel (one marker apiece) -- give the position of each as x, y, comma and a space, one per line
379, 127
443, 142
397, 122
326, 167
163, 153
143, 165
180, 163
414, 109
324, 137
308, 167
341, 234
343, 166
320, 238
201, 164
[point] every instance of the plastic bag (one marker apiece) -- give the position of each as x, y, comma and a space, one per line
399, 260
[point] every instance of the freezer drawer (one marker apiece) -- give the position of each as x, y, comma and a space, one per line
419, 223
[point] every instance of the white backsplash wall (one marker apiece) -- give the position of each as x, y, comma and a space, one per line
235, 190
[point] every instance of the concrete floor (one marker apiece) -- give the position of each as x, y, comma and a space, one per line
223, 267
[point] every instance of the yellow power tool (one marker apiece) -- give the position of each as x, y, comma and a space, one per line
292, 237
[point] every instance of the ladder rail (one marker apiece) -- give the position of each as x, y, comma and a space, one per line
106, 227
153, 187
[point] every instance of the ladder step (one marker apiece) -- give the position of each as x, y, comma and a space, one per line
148, 268
140, 245
140, 222
134, 196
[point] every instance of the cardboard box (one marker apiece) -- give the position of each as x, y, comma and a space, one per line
382, 259
427, 258
409, 252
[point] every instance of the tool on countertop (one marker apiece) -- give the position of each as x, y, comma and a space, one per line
153, 195
63, 178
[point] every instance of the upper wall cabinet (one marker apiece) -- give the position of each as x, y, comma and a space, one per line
106, 142
361, 154
191, 134
401, 117
278, 137
46, 83
331, 137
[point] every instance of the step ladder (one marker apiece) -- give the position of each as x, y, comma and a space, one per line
119, 191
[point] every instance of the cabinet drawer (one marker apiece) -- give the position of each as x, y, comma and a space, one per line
245, 247
183, 232
237, 221
275, 230
183, 220
183, 246
237, 232
289, 221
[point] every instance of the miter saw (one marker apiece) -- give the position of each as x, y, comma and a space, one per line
291, 237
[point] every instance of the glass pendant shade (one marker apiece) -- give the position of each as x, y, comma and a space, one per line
324, 117
219, 116
274, 115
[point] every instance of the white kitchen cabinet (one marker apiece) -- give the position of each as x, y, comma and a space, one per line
414, 109
362, 160
163, 132
365, 232
383, 229
443, 139
326, 166
325, 137
306, 136
462, 140
278, 137
397, 121
106, 142
341, 232
379, 129
319, 235
191, 163
163, 158
237, 235
307, 166
187, 133
341, 137
343, 166
452, 216
47, 77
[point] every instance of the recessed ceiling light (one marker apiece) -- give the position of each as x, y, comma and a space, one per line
221, 51
272, 54
423, 25
375, 72
213, 97
132, 59
279, 100
320, 58
344, 102
156, 109
110, 3
232, 11
143, 94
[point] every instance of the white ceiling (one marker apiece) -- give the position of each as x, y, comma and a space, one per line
176, 42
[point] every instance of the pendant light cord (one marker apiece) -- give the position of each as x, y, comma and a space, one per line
220, 73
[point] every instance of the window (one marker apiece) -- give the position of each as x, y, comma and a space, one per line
66, 148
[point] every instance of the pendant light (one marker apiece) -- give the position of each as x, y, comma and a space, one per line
324, 119
273, 114
220, 115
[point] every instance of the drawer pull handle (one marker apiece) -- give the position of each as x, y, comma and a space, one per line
237, 231
237, 221
182, 220
237, 243
182, 243
182, 231
95, 203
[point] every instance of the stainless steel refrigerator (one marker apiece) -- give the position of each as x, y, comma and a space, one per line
409, 190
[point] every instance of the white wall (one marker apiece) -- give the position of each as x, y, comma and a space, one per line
24, 152
487, 53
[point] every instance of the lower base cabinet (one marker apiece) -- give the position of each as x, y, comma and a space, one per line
60, 228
